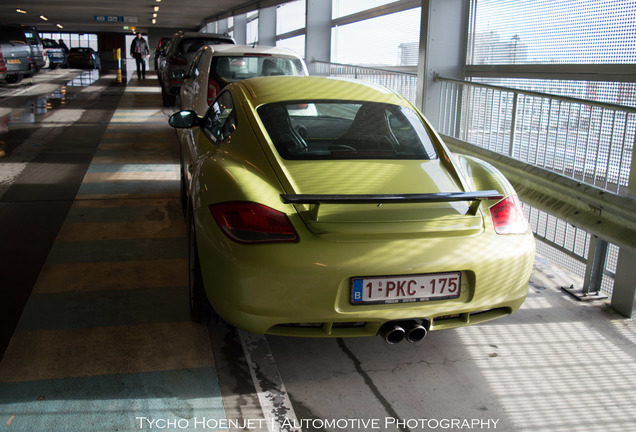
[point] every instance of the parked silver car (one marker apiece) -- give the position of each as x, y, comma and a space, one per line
179, 54
37, 50
16, 52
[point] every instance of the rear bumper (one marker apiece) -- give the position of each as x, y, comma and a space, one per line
304, 289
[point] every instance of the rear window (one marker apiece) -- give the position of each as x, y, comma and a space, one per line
346, 130
47, 43
236, 68
12, 34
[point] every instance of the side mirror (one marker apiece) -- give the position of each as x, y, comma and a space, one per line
184, 119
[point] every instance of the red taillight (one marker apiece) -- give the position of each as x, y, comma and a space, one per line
248, 222
507, 216
175, 60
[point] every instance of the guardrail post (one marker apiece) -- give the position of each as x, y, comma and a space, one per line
596, 259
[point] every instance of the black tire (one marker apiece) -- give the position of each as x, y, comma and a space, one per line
12, 79
200, 308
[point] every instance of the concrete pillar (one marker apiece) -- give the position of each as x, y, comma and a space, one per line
624, 293
222, 26
318, 38
240, 28
267, 26
443, 41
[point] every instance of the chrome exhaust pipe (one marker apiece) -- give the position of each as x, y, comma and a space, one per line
392, 333
415, 332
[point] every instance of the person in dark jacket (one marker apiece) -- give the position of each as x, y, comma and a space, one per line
139, 50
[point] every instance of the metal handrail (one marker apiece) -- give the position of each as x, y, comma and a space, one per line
400, 72
539, 94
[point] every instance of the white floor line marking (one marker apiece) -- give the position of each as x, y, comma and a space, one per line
275, 403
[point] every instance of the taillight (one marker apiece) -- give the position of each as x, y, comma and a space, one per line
507, 216
176, 60
248, 222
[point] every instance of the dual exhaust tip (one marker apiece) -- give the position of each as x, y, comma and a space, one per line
411, 330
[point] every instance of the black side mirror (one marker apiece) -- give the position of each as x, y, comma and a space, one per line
184, 119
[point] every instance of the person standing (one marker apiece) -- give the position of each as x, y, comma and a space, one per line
139, 50
63, 46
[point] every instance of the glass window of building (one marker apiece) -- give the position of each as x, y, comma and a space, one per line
341, 8
296, 44
290, 16
388, 40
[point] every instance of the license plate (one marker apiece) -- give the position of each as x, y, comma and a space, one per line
13, 61
405, 289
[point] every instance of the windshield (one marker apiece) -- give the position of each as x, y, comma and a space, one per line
228, 69
346, 130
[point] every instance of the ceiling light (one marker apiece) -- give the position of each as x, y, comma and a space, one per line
156, 8
44, 18
154, 15
60, 26
20, 11
154, 21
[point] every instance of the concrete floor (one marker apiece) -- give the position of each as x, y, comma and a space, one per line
105, 343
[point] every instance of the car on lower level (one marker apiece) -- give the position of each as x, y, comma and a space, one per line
324, 207
83, 58
178, 54
214, 67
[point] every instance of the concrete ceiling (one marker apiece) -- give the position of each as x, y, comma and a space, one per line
80, 16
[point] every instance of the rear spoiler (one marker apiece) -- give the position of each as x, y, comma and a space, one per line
474, 197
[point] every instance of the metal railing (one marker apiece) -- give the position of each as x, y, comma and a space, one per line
591, 142
403, 83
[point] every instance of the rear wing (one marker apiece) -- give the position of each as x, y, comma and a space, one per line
474, 197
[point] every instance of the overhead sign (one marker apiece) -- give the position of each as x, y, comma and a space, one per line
115, 19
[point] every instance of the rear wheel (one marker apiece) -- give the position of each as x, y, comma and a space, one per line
200, 308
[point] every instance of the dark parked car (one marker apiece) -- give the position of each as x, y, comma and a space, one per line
37, 50
84, 57
56, 56
16, 52
179, 54
160, 51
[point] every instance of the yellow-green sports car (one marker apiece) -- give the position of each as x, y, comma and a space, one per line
331, 208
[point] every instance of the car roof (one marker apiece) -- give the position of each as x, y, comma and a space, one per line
306, 88
250, 50
189, 35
